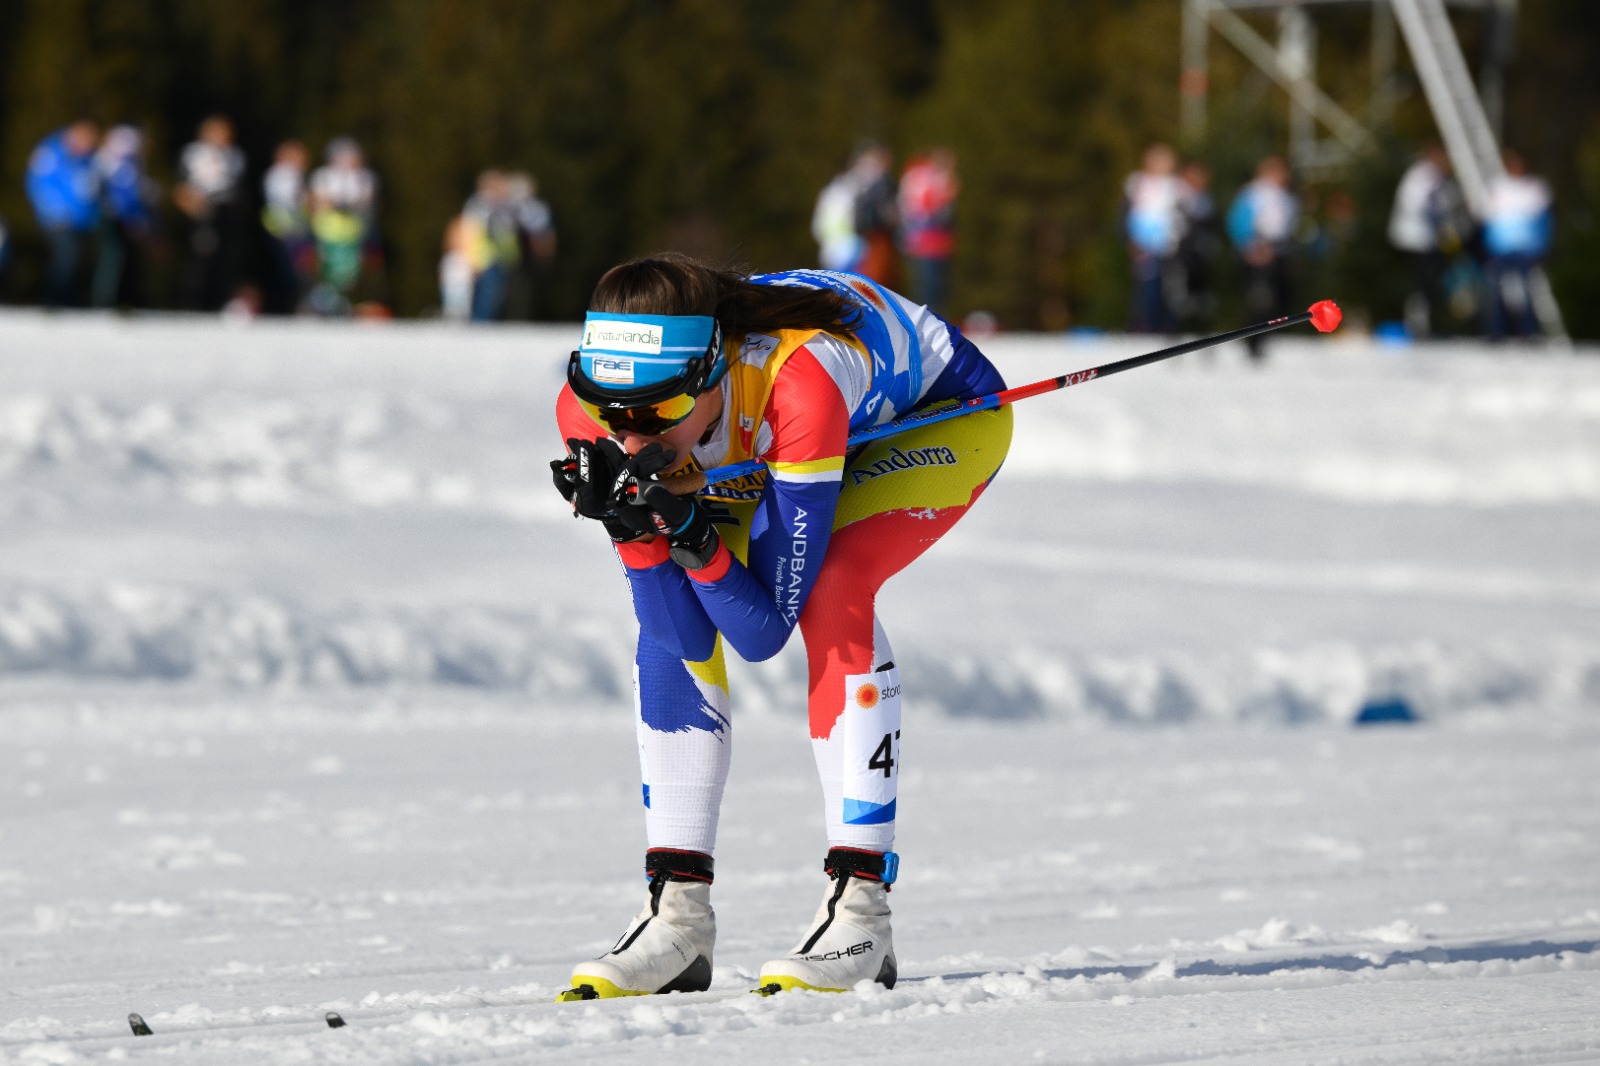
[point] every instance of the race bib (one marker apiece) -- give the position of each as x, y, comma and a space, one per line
872, 746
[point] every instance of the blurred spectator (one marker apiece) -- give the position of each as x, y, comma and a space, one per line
833, 223
856, 217
244, 305
536, 244
1153, 220
1194, 297
291, 255
1516, 238
927, 202
210, 181
127, 199
5, 260
877, 215
457, 270
1261, 224
344, 206
492, 237
63, 187
1416, 228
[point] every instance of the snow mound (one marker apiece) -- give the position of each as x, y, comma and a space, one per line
141, 632
361, 449
128, 631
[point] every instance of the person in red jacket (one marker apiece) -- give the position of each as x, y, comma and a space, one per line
928, 190
684, 368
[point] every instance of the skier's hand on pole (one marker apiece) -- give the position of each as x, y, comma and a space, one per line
684, 521
589, 478
646, 503
584, 477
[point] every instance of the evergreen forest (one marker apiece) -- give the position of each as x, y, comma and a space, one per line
709, 126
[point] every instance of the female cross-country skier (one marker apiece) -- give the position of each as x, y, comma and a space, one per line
684, 368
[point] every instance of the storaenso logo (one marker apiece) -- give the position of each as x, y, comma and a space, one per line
623, 337
905, 460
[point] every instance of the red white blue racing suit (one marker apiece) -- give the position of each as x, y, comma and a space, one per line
817, 535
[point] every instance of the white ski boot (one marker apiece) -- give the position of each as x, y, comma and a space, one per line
850, 940
667, 947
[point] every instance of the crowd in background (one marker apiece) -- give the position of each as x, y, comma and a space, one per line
1449, 248
1473, 271
322, 251
99, 213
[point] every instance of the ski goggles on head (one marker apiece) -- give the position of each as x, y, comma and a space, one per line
642, 373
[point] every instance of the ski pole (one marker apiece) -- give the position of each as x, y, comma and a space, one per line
1324, 315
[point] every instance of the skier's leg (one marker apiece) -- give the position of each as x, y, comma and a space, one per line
685, 739
900, 497
685, 733
858, 760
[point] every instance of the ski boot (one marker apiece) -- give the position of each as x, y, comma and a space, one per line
667, 947
850, 940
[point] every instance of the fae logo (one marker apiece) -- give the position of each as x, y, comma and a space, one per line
867, 696
637, 337
611, 368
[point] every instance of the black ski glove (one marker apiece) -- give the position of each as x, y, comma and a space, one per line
589, 479
685, 523
645, 503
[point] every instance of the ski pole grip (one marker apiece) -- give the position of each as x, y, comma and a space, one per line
687, 484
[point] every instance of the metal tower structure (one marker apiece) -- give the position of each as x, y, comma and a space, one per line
1467, 114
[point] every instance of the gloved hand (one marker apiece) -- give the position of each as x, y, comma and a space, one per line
585, 476
589, 479
685, 522
645, 503
636, 472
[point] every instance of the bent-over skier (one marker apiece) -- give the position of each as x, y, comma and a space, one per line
684, 368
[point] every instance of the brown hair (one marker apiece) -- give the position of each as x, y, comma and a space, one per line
674, 284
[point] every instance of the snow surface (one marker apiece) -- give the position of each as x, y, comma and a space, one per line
315, 699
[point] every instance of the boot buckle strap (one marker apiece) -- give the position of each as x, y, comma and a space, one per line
872, 865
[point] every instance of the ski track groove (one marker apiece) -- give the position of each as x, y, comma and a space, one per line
1018, 988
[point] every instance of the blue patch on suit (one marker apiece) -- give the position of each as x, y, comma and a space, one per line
669, 699
860, 812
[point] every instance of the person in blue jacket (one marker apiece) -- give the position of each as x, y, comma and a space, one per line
1261, 225
125, 225
1517, 230
64, 189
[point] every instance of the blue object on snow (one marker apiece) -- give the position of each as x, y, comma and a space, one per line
1390, 709
1392, 335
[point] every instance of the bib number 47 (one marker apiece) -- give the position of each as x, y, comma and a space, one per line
883, 758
